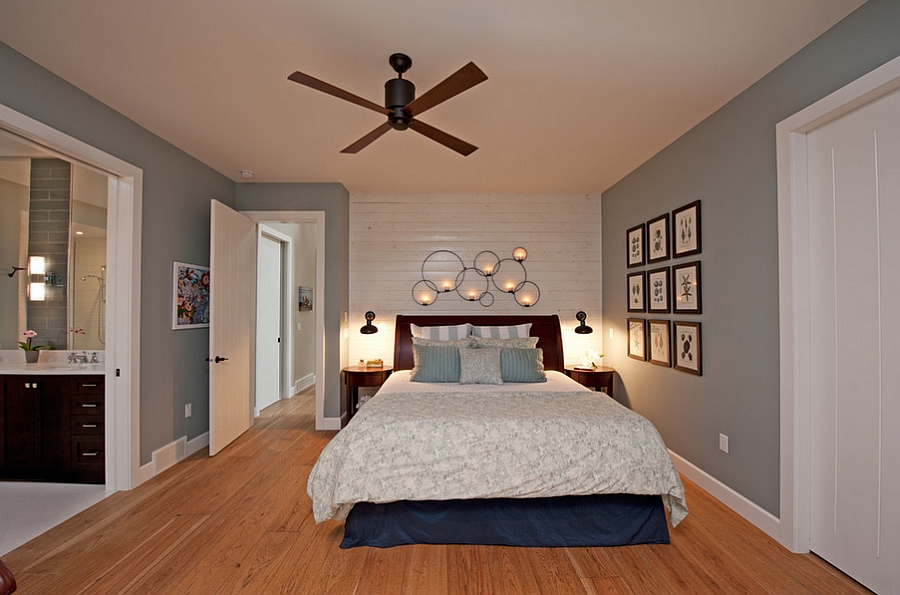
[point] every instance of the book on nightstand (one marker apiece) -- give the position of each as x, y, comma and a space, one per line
374, 363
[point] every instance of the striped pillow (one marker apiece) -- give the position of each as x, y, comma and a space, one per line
440, 333
522, 365
502, 332
435, 363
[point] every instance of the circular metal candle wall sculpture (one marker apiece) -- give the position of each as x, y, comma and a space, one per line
444, 271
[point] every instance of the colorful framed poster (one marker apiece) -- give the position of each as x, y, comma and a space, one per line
306, 299
687, 347
190, 296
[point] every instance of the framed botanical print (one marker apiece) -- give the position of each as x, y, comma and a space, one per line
636, 242
637, 297
686, 230
658, 290
686, 288
658, 239
637, 347
686, 340
659, 342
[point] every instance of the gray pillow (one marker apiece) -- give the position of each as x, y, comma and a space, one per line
523, 342
435, 363
480, 366
522, 365
501, 332
467, 342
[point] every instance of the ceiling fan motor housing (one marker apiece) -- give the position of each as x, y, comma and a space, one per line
398, 93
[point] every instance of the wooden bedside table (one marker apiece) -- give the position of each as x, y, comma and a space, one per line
356, 377
601, 377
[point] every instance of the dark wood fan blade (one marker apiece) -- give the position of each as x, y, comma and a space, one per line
451, 142
314, 83
463, 79
367, 139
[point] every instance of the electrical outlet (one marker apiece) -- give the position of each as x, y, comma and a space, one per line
723, 443
187, 410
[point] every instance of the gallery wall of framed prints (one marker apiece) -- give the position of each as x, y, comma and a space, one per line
666, 289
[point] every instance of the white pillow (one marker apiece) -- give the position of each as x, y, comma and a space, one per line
502, 332
440, 333
480, 366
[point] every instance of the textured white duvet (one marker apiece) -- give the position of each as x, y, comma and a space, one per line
419, 441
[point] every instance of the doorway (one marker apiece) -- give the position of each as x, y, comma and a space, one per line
273, 275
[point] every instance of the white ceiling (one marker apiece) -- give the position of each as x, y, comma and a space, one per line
580, 92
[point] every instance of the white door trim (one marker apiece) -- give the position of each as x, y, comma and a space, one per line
317, 217
287, 280
794, 291
123, 378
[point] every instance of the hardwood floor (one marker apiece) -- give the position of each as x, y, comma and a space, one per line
241, 522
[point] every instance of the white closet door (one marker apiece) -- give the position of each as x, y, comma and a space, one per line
854, 189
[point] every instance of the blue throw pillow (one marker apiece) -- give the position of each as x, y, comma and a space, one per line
435, 363
522, 365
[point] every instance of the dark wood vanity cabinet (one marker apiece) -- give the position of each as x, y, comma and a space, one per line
52, 428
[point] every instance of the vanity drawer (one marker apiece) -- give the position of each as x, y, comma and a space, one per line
88, 385
87, 404
87, 452
87, 425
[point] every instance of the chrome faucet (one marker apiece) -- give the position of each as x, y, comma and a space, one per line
94, 358
78, 358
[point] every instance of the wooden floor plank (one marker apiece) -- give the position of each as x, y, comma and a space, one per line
241, 522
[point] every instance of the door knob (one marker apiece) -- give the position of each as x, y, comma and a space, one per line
218, 359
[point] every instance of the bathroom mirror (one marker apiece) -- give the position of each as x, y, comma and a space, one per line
56, 209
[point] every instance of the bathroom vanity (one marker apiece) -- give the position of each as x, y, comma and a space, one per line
52, 424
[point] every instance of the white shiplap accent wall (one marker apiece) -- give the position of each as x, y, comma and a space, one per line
391, 234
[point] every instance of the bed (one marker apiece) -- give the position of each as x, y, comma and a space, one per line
540, 464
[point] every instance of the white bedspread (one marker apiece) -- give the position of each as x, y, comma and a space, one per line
418, 441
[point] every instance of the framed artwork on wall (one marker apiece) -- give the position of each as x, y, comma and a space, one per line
660, 343
306, 299
658, 290
637, 348
686, 288
658, 239
190, 296
636, 242
637, 297
686, 230
686, 339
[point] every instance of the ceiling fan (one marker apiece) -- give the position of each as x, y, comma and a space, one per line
401, 106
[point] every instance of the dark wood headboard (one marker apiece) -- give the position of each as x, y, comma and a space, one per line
546, 328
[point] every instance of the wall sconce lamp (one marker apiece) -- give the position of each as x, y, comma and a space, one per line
13, 270
369, 328
582, 328
37, 288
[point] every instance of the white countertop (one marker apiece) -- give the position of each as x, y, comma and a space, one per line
12, 361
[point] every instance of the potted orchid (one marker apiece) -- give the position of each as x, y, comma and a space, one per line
31, 351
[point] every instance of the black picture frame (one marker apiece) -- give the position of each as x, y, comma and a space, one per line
658, 292
686, 339
637, 292
635, 246
686, 230
687, 290
637, 339
659, 342
658, 239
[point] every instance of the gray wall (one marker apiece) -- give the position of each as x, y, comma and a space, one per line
334, 200
728, 162
176, 194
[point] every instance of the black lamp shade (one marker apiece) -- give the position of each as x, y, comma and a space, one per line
369, 328
582, 328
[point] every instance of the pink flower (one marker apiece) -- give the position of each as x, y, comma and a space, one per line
77, 330
29, 334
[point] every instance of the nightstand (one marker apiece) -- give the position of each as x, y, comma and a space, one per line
601, 377
356, 377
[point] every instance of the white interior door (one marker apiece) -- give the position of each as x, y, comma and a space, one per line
854, 190
231, 311
269, 312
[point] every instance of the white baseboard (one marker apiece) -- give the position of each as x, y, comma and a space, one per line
331, 423
763, 519
171, 454
303, 383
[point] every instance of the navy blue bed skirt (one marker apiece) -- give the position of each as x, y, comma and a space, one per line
570, 521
